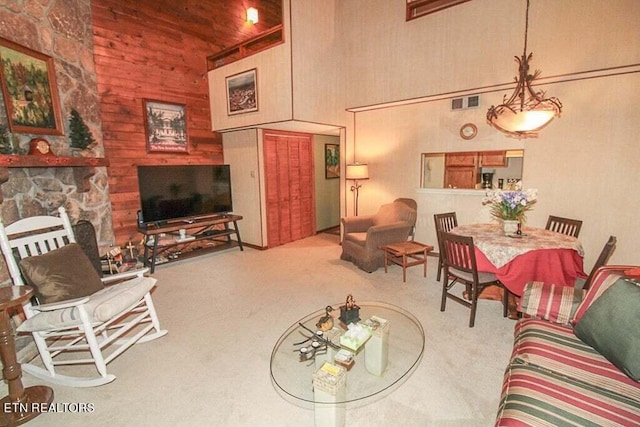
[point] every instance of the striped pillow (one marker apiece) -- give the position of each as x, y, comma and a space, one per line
550, 302
603, 279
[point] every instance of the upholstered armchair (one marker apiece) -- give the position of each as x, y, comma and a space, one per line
364, 235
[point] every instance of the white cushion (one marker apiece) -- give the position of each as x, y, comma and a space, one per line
102, 306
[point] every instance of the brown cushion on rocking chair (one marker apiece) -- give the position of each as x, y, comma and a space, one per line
61, 274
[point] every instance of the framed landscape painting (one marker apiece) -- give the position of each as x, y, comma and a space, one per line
29, 90
331, 161
242, 92
166, 127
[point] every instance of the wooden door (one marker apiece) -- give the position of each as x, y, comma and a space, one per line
289, 186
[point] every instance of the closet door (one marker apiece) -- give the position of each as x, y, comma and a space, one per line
289, 186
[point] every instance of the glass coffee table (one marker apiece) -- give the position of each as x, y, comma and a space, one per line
293, 377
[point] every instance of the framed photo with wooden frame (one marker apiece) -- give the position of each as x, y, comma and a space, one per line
331, 161
29, 90
166, 127
242, 92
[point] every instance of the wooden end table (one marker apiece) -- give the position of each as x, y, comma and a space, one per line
406, 254
22, 404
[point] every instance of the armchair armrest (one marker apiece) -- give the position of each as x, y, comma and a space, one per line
356, 224
62, 304
380, 235
556, 304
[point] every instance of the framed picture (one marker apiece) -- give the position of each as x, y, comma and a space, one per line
331, 161
242, 92
29, 90
166, 127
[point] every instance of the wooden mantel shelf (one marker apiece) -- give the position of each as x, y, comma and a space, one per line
83, 167
28, 161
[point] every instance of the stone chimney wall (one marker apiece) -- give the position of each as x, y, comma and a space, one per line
61, 29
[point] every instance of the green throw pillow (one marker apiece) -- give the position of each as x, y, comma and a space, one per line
612, 326
61, 274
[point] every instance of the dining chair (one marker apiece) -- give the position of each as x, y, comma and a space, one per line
444, 223
604, 256
460, 267
568, 226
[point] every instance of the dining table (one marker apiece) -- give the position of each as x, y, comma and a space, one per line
534, 255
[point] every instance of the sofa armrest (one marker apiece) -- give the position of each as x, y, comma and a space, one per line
380, 235
554, 303
356, 224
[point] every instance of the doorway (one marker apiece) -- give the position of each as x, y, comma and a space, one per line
289, 186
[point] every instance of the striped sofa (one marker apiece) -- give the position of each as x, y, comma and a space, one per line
555, 378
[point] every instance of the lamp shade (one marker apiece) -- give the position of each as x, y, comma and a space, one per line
358, 171
252, 15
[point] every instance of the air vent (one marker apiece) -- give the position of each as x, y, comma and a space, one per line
472, 101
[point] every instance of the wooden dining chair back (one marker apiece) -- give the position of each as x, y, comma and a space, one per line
445, 222
568, 226
460, 266
604, 256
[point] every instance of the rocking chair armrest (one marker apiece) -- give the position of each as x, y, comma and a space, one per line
62, 304
118, 277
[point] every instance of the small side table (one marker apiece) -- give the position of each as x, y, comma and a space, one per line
22, 404
401, 254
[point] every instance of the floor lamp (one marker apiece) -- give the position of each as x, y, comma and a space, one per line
357, 172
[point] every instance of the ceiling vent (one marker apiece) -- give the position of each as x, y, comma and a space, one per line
472, 101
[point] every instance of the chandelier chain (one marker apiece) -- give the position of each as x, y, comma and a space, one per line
526, 31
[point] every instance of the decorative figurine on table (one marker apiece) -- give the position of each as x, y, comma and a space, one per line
315, 343
349, 312
326, 322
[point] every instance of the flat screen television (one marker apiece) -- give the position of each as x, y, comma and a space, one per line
183, 192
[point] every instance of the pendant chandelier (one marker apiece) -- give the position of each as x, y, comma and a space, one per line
527, 110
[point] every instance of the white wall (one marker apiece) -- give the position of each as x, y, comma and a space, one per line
241, 152
327, 190
584, 164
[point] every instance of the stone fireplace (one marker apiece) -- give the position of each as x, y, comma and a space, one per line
61, 29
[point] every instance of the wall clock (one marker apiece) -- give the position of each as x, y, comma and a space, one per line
468, 131
40, 147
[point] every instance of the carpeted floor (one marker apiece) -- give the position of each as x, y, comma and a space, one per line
224, 313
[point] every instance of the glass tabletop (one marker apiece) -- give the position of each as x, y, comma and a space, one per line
293, 376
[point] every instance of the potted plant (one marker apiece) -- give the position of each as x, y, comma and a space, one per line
510, 207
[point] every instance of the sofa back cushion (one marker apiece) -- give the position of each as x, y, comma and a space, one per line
611, 326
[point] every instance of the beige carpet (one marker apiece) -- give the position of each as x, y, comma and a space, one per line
224, 313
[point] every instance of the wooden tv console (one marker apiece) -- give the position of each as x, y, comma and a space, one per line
162, 243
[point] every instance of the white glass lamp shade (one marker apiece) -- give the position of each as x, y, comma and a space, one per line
523, 121
252, 15
358, 171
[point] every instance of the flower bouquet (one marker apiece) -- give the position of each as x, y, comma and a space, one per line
510, 205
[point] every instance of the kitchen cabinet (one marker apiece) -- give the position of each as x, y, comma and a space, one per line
493, 158
461, 170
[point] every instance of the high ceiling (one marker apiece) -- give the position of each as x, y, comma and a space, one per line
222, 23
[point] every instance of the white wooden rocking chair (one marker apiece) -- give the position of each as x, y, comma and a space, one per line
103, 324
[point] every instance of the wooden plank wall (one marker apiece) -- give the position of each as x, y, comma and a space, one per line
157, 49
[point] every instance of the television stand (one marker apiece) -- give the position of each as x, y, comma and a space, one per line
162, 243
